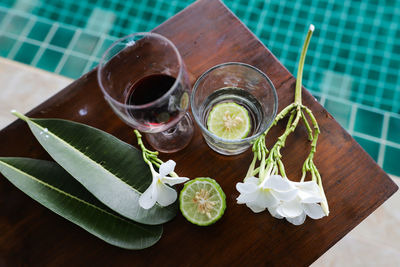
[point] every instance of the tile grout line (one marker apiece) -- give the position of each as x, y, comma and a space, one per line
21, 39
346, 101
45, 44
53, 47
352, 119
364, 73
376, 139
382, 146
6, 21
67, 52
96, 49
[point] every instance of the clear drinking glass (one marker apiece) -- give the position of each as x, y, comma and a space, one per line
144, 80
240, 83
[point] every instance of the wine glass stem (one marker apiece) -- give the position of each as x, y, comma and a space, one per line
173, 139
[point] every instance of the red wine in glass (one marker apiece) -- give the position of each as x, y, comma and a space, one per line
148, 89
145, 82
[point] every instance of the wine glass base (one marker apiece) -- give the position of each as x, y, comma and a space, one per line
174, 139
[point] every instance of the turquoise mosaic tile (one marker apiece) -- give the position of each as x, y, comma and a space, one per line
86, 43
103, 47
26, 53
49, 60
370, 146
73, 67
62, 37
392, 157
2, 15
369, 122
16, 24
39, 31
6, 44
340, 111
394, 131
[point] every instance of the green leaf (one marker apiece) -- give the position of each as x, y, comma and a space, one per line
110, 169
50, 185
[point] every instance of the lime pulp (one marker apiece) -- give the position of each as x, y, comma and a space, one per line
229, 120
202, 201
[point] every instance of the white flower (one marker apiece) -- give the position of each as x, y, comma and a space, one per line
304, 203
259, 195
158, 191
254, 195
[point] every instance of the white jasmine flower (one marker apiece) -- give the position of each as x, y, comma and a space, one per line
305, 203
158, 191
259, 195
254, 195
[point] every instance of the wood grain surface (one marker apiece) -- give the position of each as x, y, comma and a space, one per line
206, 34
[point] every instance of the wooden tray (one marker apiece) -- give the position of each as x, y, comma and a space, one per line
206, 34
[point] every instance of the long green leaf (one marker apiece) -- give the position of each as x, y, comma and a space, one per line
110, 169
50, 185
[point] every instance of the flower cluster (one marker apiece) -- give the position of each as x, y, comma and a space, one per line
272, 190
159, 191
282, 197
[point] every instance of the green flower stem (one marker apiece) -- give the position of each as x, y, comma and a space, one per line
251, 168
281, 115
296, 111
297, 97
309, 131
150, 157
308, 163
275, 155
281, 168
255, 172
262, 165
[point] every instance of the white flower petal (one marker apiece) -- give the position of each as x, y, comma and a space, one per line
285, 196
297, 220
307, 198
252, 180
274, 213
149, 197
266, 199
167, 167
276, 182
290, 209
174, 180
309, 192
166, 195
246, 198
247, 187
255, 207
309, 186
314, 211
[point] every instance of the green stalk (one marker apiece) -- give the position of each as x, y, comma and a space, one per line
150, 157
297, 97
251, 168
309, 131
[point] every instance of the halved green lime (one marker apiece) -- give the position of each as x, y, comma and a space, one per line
202, 201
229, 120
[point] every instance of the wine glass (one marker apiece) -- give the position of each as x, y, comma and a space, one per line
144, 80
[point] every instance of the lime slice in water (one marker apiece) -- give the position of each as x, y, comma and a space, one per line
202, 201
229, 120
